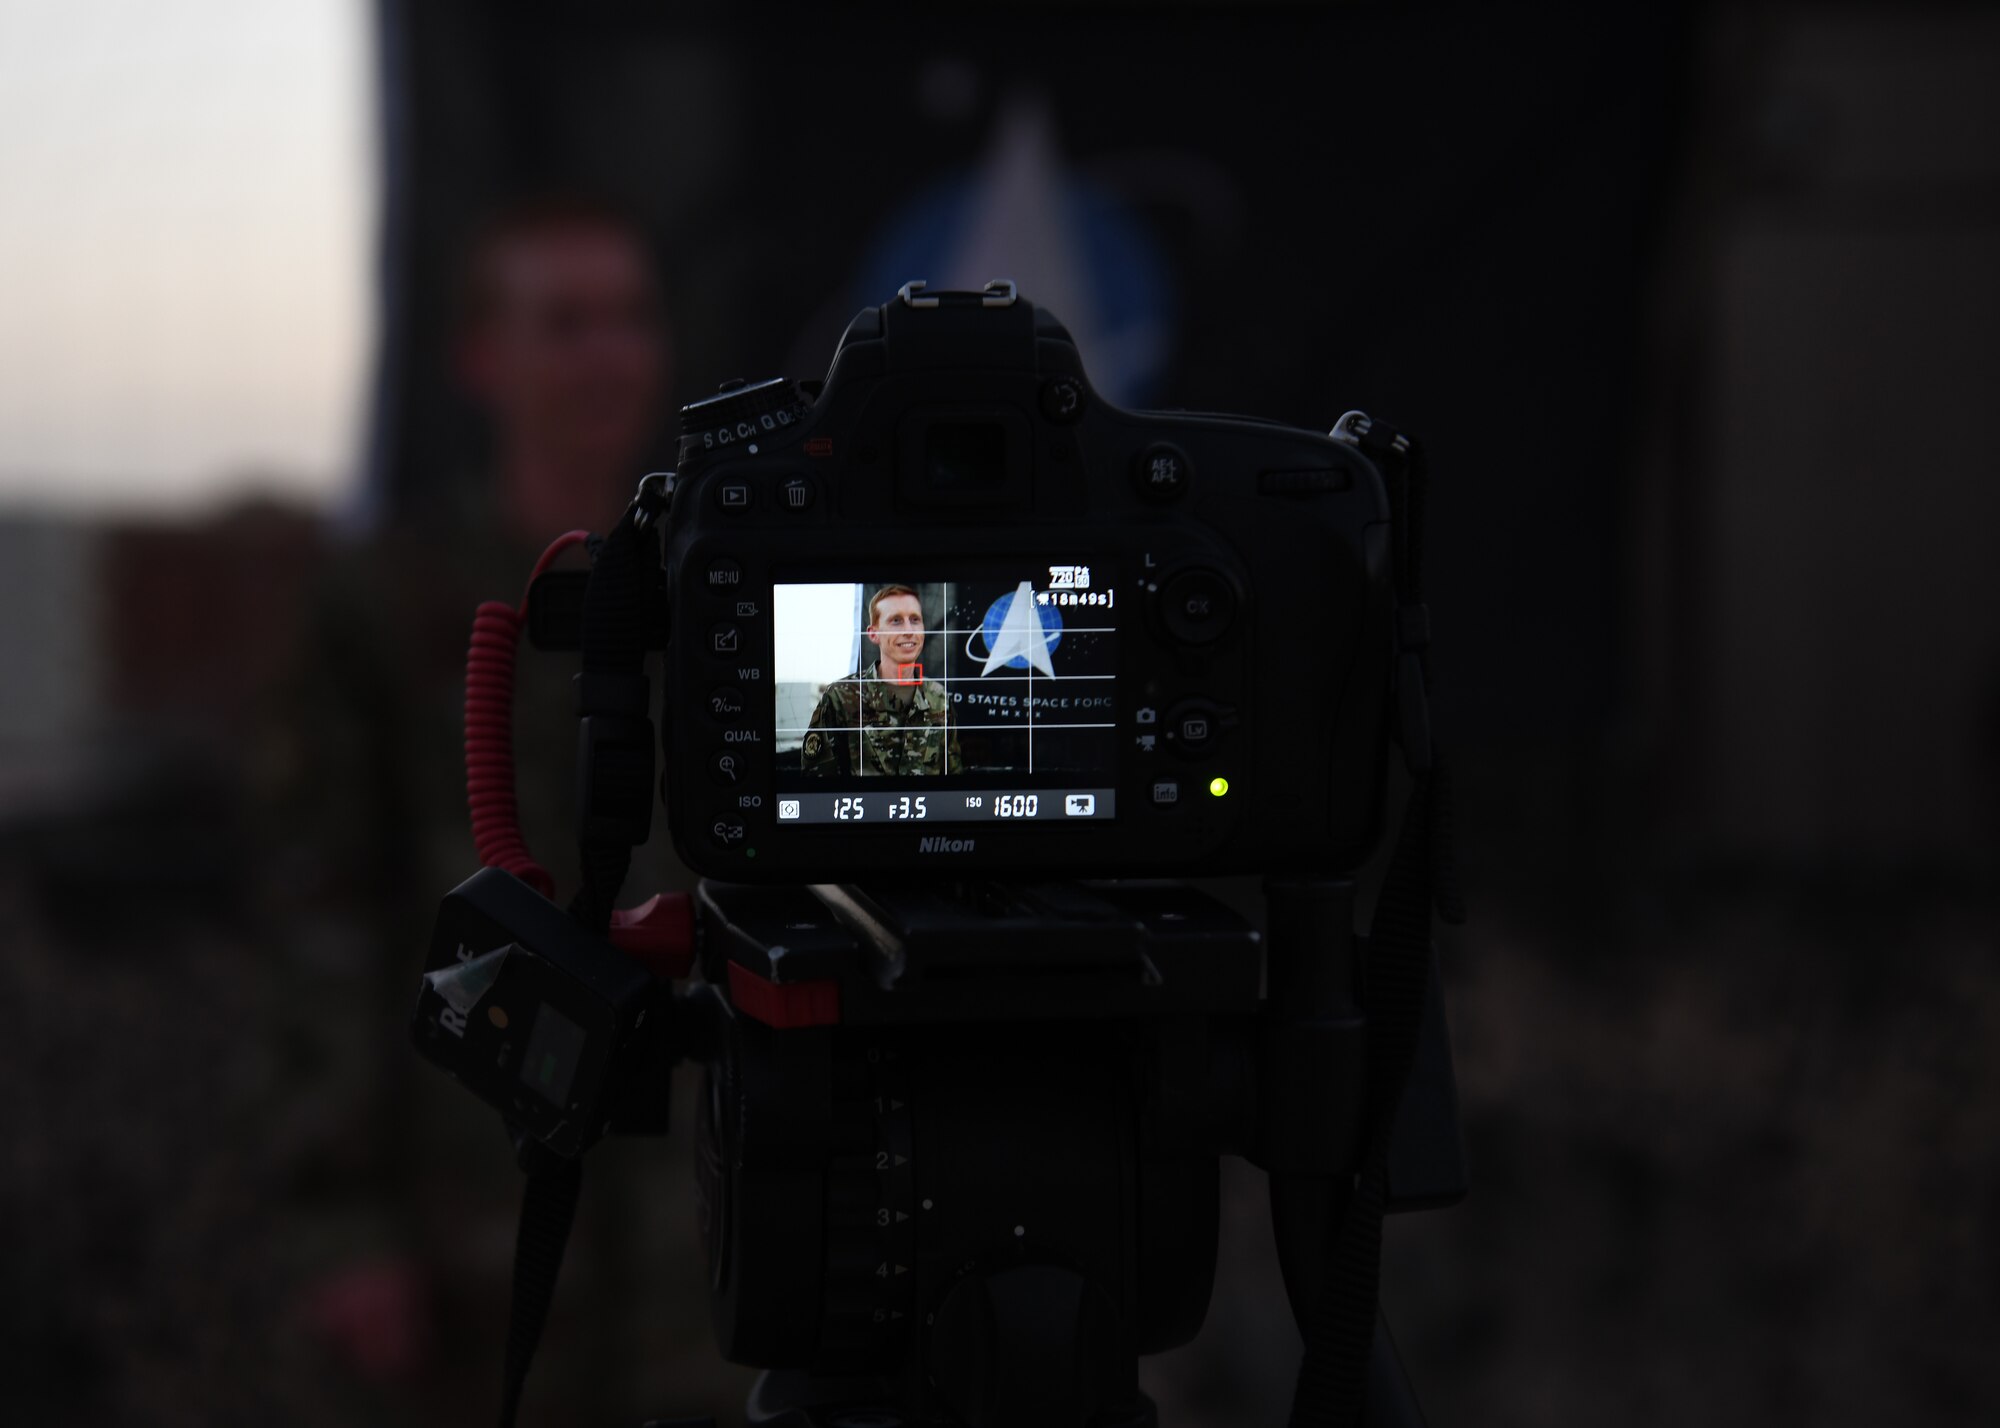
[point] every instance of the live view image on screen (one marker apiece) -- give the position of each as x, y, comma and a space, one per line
912, 679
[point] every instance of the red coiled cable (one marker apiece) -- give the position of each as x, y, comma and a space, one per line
489, 731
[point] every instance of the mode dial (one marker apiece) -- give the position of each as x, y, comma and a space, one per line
740, 414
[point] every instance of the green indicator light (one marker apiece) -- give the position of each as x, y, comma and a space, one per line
749, 852
1218, 786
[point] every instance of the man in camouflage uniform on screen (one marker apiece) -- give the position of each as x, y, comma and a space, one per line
887, 718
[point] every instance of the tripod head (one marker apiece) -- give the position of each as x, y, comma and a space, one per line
958, 1146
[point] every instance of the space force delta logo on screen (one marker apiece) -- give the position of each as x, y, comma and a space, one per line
904, 700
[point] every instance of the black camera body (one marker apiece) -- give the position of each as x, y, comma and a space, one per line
956, 651
1201, 685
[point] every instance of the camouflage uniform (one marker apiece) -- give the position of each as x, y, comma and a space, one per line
863, 724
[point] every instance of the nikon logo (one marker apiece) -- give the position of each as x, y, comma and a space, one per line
945, 845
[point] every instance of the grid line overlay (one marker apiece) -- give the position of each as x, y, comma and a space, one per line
919, 728
956, 647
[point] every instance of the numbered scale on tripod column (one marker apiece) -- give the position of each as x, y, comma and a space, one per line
871, 1229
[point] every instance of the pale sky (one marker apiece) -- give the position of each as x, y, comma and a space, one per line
187, 214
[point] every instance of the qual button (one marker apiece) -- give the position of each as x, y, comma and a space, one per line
727, 768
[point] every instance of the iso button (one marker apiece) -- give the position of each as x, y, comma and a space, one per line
1198, 605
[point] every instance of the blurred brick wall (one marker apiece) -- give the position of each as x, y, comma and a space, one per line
200, 618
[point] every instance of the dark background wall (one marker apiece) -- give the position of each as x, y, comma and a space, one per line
1695, 312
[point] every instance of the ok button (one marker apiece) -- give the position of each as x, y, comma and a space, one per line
1197, 605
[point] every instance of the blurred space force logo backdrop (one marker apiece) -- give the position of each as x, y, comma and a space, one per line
1021, 212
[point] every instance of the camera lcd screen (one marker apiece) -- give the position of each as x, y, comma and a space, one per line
984, 695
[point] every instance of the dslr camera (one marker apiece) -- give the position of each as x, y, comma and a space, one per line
961, 666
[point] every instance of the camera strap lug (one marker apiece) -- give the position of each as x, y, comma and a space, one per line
1401, 463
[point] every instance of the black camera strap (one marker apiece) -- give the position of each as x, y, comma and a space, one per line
616, 737
1334, 1375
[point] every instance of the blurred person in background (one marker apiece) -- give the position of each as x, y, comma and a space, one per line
561, 344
